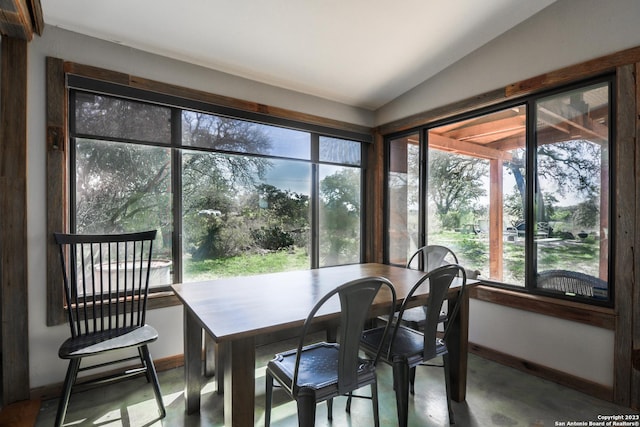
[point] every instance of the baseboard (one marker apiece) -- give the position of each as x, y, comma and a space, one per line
585, 386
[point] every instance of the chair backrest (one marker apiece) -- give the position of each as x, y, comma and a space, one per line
570, 281
356, 298
106, 279
439, 281
430, 257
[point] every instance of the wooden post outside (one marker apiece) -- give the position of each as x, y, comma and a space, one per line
496, 208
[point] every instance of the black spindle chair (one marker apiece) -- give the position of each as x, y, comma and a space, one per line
106, 283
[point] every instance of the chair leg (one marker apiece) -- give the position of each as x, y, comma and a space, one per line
401, 382
330, 409
374, 402
69, 380
412, 380
306, 411
349, 397
447, 385
152, 376
268, 399
144, 364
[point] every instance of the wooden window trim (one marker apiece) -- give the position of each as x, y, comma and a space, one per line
58, 145
56, 171
566, 75
626, 65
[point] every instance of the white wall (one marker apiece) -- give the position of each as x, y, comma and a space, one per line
565, 33
577, 349
46, 367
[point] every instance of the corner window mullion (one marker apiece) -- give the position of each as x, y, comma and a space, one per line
176, 184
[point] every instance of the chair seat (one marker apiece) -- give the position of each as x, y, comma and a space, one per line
318, 372
408, 345
99, 342
416, 317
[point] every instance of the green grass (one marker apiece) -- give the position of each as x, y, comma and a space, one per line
472, 251
244, 265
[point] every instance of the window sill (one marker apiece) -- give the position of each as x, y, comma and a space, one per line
578, 312
161, 299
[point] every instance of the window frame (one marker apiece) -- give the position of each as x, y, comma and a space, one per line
529, 101
63, 78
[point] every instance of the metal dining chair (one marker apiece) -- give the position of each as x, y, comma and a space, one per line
427, 258
106, 282
430, 257
406, 348
321, 371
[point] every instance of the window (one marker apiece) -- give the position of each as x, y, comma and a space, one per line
520, 193
246, 197
571, 191
340, 195
476, 189
403, 198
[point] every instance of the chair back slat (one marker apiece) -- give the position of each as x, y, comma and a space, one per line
430, 257
439, 281
354, 302
356, 298
106, 279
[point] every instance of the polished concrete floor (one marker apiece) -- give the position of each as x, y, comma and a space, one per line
496, 396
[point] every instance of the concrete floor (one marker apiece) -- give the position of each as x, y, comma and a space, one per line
496, 396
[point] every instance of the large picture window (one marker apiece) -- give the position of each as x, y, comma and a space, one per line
520, 194
229, 196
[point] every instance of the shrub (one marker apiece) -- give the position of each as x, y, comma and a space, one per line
272, 238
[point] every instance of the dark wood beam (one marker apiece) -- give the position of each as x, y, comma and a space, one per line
625, 378
21, 19
13, 221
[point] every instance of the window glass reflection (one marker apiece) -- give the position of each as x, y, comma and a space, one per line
240, 136
337, 150
572, 181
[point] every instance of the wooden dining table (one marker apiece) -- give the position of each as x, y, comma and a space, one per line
236, 313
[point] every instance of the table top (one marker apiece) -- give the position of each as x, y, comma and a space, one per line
239, 307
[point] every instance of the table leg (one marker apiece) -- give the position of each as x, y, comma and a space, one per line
214, 361
192, 362
210, 353
458, 345
239, 382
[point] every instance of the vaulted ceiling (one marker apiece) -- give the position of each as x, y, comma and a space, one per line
363, 53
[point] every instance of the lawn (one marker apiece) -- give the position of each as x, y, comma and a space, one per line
472, 251
246, 264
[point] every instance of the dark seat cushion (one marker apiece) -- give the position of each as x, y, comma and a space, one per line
408, 345
318, 372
